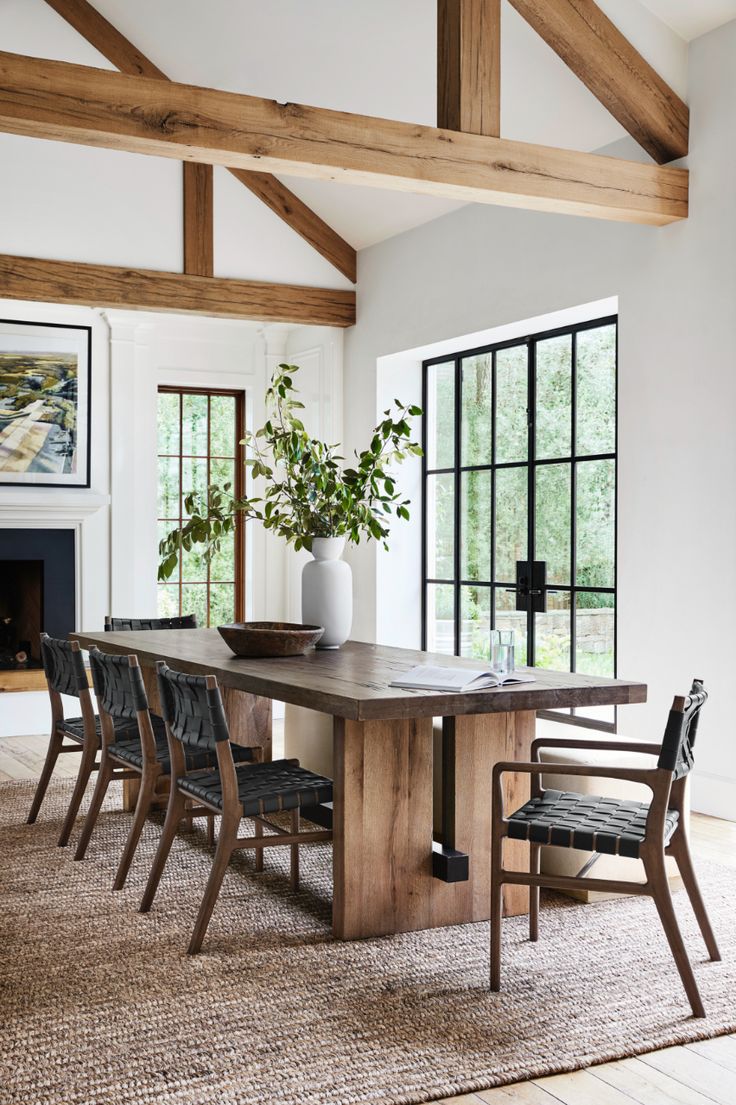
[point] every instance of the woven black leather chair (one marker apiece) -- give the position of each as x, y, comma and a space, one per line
195, 721
66, 675
126, 625
138, 752
649, 831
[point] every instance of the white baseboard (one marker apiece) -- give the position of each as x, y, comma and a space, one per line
714, 795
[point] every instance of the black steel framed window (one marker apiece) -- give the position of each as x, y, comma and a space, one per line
519, 500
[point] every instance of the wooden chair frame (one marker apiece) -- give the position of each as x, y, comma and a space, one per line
228, 840
88, 747
151, 776
666, 795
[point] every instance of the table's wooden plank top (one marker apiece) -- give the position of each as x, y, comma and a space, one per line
353, 682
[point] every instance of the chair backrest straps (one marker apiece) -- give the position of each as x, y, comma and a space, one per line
63, 665
192, 709
125, 625
677, 753
118, 684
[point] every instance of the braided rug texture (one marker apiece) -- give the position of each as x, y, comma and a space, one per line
100, 1005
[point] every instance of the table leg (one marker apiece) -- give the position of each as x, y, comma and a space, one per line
383, 821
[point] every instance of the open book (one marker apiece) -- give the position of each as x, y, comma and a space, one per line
427, 677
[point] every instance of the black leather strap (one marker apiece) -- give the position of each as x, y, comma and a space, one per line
63, 665
118, 686
125, 625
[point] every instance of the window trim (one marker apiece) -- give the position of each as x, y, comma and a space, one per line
531, 463
238, 485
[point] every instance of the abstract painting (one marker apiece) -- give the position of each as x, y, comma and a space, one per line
45, 373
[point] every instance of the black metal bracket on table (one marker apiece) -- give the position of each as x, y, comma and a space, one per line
449, 864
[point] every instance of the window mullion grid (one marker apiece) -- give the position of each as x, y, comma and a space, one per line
531, 489
573, 502
181, 501
425, 480
494, 397
207, 494
458, 535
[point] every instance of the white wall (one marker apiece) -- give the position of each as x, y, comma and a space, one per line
483, 267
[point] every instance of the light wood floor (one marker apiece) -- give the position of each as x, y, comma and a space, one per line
697, 1074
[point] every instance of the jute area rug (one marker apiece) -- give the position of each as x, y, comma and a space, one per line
101, 1005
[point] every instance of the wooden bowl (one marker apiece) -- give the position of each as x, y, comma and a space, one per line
260, 639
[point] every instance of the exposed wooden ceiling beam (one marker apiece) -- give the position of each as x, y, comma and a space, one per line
469, 66
140, 289
199, 259
606, 62
72, 103
128, 59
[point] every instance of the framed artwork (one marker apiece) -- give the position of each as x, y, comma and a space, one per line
45, 383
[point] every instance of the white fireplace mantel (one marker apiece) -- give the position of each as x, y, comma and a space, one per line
36, 507
87, 513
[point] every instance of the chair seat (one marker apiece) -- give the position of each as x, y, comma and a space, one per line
263, 788
74, 727
127, 747
586, 821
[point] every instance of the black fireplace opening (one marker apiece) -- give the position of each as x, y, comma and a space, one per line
37, 592
21, 613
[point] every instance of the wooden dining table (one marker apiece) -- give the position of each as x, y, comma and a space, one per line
390, 874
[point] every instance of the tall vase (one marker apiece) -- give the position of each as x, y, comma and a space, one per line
327, 591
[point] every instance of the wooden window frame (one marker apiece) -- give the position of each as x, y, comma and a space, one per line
238, 486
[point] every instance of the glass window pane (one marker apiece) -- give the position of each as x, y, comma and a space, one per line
194, 425
594, 634
194, 565
511, 521
193, 478
194, 601
553, 505
475, 622
441, 526
168, 487
222, 603
223, 562
222, 426
554, 397
222, 472
441, 618
440, 415
477, 410
552, 633
475, 526
508, 617
168, 422
512, 400
168, 601
596, 501
596, 390
164, 529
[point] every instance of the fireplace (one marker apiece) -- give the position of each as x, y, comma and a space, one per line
37, 592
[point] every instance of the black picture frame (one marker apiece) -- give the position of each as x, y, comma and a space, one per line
82, 336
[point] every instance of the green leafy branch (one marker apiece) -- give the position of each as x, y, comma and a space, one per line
307, 492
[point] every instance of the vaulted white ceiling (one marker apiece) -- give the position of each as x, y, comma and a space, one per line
375, 57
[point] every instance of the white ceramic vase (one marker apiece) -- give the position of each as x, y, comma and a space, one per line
327, 591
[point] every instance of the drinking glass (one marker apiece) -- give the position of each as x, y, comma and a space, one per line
502, 651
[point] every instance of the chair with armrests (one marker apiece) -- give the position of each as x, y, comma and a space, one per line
195, 721
65, 672
140, 752
127, 625
647, 831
